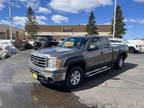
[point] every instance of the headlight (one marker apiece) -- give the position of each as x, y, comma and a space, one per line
54, 63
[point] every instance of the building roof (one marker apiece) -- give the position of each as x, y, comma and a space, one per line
72, 28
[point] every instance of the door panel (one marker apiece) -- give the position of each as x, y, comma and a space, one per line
94, 57
107, 54
106, 50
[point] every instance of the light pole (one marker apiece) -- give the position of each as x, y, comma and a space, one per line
10, 20
114, 19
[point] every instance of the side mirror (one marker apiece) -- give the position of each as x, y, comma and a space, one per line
93, 47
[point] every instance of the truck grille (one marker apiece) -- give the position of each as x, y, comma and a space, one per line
39, 61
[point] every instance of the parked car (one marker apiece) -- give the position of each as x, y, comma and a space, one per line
2, 53
44, 41
119, 42
74, 59
135, 46
31, 42
5, 52
23, 45
7, 45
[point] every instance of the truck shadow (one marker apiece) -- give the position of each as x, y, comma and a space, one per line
102, 77
96, 80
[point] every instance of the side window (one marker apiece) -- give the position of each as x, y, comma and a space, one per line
104, 43
95, 43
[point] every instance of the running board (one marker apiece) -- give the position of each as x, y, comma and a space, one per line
97, 71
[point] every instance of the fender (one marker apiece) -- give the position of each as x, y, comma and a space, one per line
75, 59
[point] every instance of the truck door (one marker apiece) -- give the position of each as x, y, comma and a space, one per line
106, 50
94, 57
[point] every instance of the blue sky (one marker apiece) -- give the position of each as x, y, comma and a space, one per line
61, 12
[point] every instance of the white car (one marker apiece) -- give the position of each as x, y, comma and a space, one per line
119, 42
7, 45
4, 52
135, 46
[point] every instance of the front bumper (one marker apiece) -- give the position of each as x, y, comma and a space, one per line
44, 75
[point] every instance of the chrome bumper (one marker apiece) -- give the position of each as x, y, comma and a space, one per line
48, 76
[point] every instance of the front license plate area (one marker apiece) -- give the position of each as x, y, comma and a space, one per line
34, 75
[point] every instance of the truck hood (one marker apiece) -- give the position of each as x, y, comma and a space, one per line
57, 51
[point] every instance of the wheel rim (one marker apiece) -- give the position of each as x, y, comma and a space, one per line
121, 62
75, 77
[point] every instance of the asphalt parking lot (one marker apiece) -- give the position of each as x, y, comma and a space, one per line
113, 89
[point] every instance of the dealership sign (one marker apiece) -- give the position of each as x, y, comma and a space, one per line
67, 29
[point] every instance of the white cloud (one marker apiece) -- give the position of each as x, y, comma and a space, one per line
41, 17
41, 20
16, 21
2, 4
6, 22
135, 20
44, 10
141, 1
59, 19
74, 6
19, 21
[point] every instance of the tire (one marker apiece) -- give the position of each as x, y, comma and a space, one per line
119, 63
131, 50
74, 77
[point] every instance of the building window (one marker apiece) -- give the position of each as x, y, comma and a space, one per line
13, 36
2, 35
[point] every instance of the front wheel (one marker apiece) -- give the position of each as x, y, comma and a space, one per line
131, 50
119, 63
74, 77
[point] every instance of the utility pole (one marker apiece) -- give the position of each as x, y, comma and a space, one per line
114, 23
10, 21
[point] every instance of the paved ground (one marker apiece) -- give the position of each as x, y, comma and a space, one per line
115, 89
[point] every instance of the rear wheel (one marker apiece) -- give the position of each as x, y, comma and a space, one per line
131, 50
74, 77
120, 63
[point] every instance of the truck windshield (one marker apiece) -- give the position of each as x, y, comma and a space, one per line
74, 42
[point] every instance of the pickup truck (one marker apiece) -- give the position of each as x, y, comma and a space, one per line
135, 46
74, 59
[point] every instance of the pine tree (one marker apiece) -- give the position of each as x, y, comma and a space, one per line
120, 24
91, 26
31, 25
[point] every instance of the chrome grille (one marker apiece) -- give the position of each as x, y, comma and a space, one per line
39, 61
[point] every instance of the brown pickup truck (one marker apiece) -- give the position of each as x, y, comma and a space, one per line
76, 58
